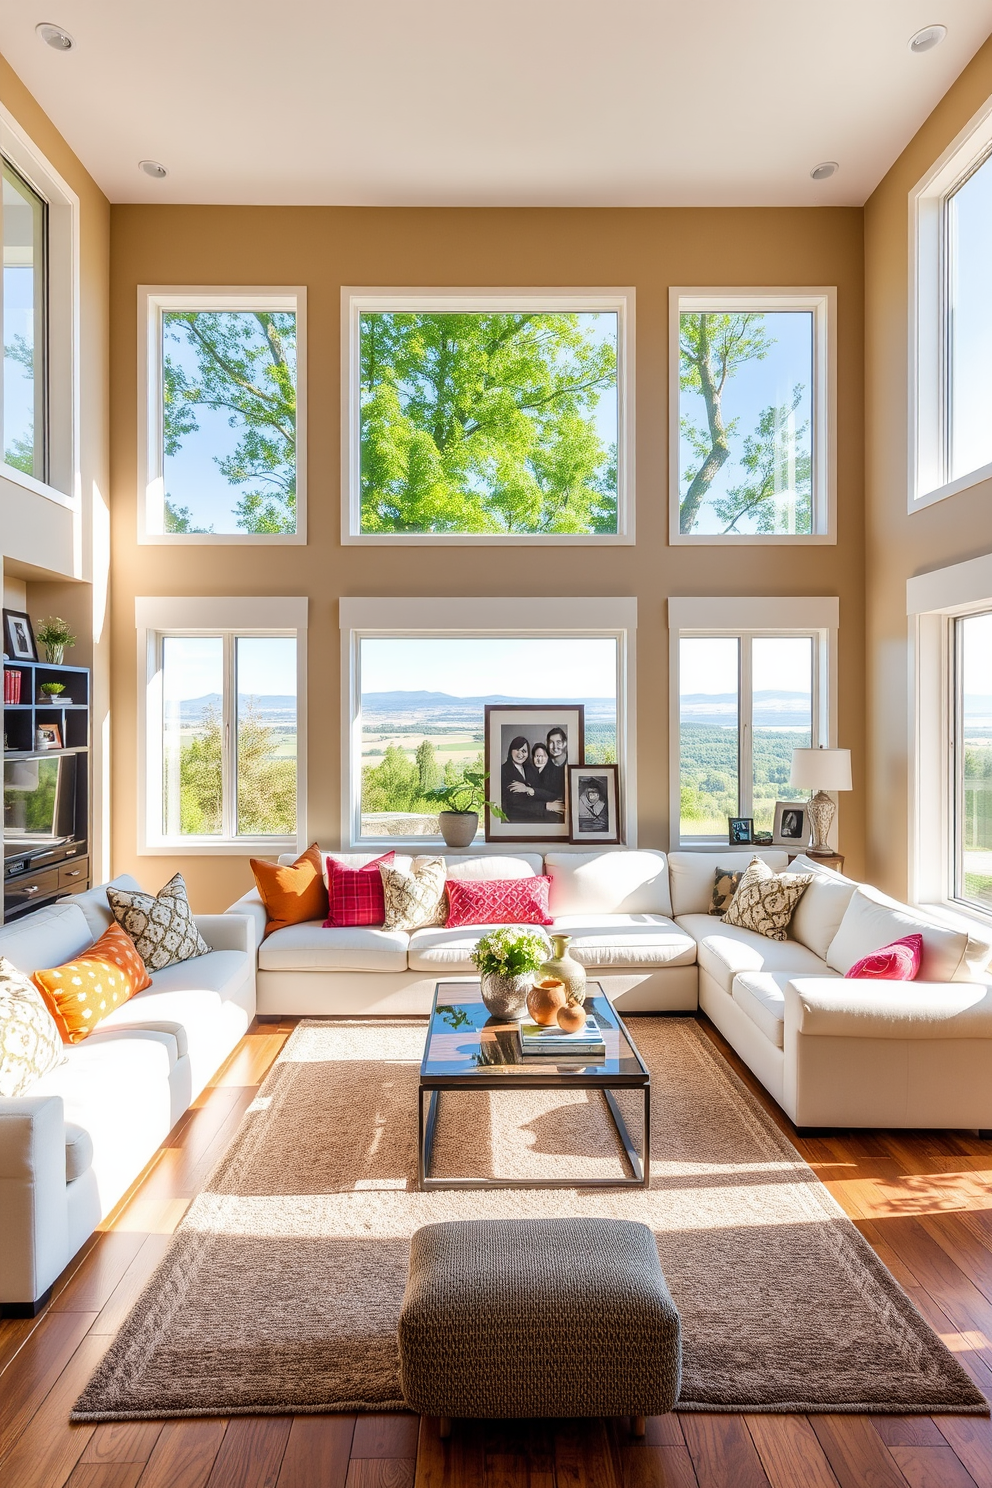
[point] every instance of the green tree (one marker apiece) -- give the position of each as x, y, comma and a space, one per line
427, 769
201, 801
266, 784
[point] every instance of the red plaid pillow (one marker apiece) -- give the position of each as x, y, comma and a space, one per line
355, 895
499, 901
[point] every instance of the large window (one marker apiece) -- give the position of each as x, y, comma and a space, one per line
222, 454
497, 417
972, 773
23, 222
751, 416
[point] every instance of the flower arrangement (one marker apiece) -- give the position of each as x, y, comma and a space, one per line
510, 951
55, 634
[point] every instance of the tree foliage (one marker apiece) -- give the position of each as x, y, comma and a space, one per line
266, 802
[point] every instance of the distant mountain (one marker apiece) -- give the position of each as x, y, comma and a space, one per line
380, 702
191, 710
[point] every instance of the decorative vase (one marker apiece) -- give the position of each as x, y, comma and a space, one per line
458, 828
544, 999
506, 996
563, 968
55, 653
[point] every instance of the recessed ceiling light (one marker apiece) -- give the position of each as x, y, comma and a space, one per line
824, 169
55, 37
153, 169
927, 39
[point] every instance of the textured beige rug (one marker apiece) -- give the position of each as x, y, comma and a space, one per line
282, 1287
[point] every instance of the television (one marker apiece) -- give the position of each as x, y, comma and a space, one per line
39, 802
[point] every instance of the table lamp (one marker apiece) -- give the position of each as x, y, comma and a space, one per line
821, 770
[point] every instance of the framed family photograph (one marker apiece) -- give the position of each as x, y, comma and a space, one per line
18, 636
740, 830
791, 825
594, 803
529, 747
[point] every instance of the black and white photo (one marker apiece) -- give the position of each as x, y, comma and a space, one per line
529, 747
18, 636
740, 830
593, 800
791, 825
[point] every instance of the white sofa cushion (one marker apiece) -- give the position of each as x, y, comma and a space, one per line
309, 947
597, 883
761, 994
494, 866
631, 940
95, 905
448, 950
724, 951
47, 937
892, 1010
692, 874
872, 920
819, 912
78, 1151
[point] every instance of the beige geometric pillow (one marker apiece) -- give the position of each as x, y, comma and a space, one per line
30, 1045
161, 925
765, 901
416, 899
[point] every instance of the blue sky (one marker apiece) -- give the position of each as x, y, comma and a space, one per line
971, 236
709, 664
194, 666
474, 667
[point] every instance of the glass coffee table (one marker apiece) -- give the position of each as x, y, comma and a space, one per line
468, 1049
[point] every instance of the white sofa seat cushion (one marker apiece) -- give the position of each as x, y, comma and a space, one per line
309, 947
78, 1151
632, 940
597, 883
724, 950
692, 873
448, 951
761, 994
873, 920
879, 1009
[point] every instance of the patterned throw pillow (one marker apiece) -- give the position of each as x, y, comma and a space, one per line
355, 895
92, 984
161, 925
725, 882
499, 901
416, 899
29, 1040
765, 901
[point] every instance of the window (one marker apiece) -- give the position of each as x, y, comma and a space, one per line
223, 432
972, 773
24, 222
496, 417
751, 432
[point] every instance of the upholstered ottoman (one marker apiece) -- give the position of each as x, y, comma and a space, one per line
538, 1317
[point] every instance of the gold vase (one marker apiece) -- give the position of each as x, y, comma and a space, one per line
563, 968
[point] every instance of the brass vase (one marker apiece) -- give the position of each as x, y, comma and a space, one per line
563, 968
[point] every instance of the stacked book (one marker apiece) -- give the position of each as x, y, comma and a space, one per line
586, 1042
11, 687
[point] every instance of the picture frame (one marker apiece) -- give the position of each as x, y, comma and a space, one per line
594, 803
51, 733
791, 827
740, 831
18, 636
521, 787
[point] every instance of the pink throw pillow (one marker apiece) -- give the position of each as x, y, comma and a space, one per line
355, 895
898, 962
499, 901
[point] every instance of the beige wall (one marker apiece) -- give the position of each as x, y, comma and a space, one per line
899, 544
325, 248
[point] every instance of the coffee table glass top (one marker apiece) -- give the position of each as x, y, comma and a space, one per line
465, 1039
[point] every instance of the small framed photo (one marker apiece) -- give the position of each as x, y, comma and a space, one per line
529, 748
594, 803
48, 736
791, 825
18, 636
740, 830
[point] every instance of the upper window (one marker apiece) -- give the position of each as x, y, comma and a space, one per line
972, 772
223, 442
487, 417
23, 404
750, 428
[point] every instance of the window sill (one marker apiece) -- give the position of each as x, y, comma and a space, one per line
961, 916
951, 488
488, 539
220, 539
204, 846
752, 540
10, 475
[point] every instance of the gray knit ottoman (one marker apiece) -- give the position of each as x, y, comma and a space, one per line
538, 1317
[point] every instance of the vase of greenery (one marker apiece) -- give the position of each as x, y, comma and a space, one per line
51, 692
462, 802
55, 634
507, 959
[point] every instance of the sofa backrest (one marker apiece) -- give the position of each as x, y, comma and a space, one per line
46, 937
93, 902
692, 873
631, 881
819, 912
484, 866
873, 920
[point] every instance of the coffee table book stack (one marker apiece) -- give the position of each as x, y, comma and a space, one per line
541, 1041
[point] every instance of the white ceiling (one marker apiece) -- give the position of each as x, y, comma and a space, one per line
456, 102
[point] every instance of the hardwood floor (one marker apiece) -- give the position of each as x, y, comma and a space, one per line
922, 1199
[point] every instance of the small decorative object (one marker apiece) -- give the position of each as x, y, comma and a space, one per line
791, 824
545, 1001
51, 692
508, 959
593, 803
821, 770
740, 830
529, 747
561, 967
571, 1017
462, 802
48, 736
55, 634
18, 636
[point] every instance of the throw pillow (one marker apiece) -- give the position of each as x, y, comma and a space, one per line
499, 901
725, 882
416, 899
30, 1045
161, 925
765, 900
898, 962
355, 895
291, 894
92, 984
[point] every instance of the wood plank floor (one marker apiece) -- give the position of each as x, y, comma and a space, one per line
922, 1199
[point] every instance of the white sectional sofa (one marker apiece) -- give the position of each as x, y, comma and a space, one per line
72, 1145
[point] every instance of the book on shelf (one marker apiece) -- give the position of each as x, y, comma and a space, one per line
536, 1038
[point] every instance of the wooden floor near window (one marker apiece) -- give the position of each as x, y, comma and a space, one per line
923, 1200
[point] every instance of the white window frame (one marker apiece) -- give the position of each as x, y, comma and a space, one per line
822, 303
380, 619
929, 379
158, 617
355, 300
64, 482
153, 299
814, 616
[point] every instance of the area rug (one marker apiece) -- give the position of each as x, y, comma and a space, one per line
282, 1287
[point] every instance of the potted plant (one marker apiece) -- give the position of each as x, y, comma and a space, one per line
507, 959
55, 634
51, 692
462, 802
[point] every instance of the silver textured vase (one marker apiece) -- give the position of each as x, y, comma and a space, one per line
506, 996
561, 967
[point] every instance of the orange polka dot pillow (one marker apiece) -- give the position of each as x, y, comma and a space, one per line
87, 989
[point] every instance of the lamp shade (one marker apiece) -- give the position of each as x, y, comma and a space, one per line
821, 769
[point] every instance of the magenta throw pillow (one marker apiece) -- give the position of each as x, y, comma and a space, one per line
355, 895
498, 901
898, 962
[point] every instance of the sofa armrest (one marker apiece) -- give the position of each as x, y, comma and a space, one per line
228, 931
34, 1234
837, 1007
252, 906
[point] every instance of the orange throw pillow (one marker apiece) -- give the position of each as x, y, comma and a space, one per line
293, 893
87, 989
